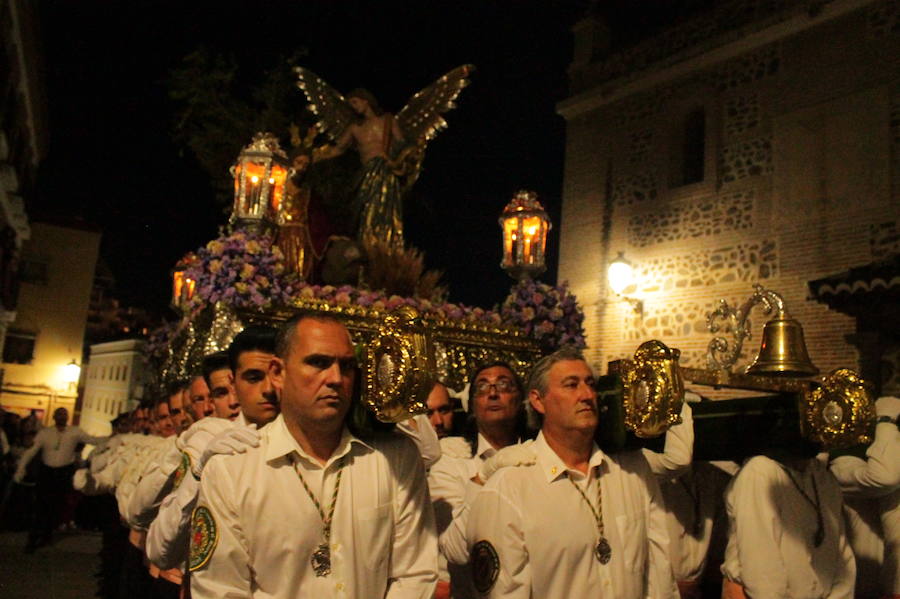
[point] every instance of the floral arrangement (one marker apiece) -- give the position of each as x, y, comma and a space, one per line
551, 315
158, 341
347, 295
242, 269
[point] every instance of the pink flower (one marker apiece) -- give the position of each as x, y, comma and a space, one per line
342, 298
545, 328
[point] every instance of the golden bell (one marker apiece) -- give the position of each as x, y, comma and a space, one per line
783, 351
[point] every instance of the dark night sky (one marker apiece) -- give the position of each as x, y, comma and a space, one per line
113, 163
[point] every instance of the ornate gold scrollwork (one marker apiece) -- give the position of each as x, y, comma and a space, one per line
840, 413
653, 389
399, 367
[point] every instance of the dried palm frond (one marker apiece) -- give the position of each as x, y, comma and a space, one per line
401, 271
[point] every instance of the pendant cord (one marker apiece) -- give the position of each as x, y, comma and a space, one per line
694, 493
598, 513
326, 520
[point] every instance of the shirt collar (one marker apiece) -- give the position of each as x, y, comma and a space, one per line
552, 465
484, 449
281, 443
241, 420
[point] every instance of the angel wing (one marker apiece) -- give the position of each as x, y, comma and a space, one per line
420, 120
334, 112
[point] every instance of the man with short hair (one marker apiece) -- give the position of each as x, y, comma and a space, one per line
140, 422
178, 410
496, 420
250, 352
440, 411
198, 399
249, 356
314, 511
57, 445
161, 419
577, 522
219, 378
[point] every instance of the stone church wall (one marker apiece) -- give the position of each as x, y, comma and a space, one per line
801, 179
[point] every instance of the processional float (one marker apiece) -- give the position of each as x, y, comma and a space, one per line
257, 273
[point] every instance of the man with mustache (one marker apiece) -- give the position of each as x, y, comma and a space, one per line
315, 510
577, 522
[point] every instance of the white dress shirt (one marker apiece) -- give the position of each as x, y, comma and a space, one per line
169, 535
695, 509
545, 534
452, 491
57, 447
419, 429
383, 541
154, 483
678, 450
771, 528
871, 490
135, 462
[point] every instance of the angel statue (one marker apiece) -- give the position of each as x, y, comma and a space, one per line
390, 148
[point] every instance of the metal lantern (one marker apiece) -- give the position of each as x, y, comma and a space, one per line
259, 177
525, 225
183, 287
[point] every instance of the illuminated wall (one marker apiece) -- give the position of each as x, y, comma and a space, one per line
112, 383
58, 271
790, 173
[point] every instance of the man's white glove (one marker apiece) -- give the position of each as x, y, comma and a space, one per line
515, 455
196, 439
888, 406
237, 439
99, 460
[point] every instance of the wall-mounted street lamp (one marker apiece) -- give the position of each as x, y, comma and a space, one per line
71, 372
620, 275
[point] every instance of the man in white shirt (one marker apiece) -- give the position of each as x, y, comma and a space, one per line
440, 411
786, 533
250, 353
871, 490
219, 378
496, 420
57, 445
198, 399
577, 522
314, 511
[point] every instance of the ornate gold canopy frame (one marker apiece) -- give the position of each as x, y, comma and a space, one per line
402, 354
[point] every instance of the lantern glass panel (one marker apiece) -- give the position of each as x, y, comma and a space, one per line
277, 179
531, 238
237, 179
255, 186
190, 286
510, 239
177, 284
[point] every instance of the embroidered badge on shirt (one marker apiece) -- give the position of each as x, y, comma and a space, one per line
485, 566
204, 536
183, 468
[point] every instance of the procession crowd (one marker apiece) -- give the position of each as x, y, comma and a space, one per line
263, 476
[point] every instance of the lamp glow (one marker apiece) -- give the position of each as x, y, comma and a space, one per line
71, 373
620, 274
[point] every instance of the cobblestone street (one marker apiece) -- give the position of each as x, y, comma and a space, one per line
63, 570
